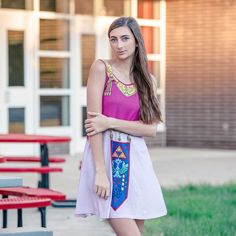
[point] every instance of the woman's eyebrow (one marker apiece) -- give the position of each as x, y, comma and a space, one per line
125, 35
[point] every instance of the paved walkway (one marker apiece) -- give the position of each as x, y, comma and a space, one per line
173, 166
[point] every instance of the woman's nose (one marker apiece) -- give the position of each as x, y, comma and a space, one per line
119, 44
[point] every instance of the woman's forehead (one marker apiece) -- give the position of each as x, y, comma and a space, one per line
120, 31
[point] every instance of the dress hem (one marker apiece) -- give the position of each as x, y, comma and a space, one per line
85, 215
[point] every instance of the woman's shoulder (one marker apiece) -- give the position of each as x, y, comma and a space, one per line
98, 65
97, 72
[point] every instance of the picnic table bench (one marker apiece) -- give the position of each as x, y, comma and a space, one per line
43, 140
28, 192
27, 231
33, 159
26, 197
2, 159
24, 202
33, 192
44, 182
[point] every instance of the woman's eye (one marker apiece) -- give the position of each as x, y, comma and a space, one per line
125, 39
112, 40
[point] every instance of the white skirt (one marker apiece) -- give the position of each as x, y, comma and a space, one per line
144, 198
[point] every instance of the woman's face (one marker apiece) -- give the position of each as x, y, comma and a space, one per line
122, 42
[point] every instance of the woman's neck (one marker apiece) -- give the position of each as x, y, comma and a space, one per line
122, 65
121, 70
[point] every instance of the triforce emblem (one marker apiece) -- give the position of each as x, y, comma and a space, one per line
118, 153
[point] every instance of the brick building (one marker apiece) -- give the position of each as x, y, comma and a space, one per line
201, 73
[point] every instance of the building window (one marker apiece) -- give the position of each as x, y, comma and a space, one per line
84, 7
17, 4
84, 117
149, 9
154, 67
16, 117
103, 8
54, 5
54, 111
88, 43
151, 36
116, 7
15, 58
54, 34
54, 72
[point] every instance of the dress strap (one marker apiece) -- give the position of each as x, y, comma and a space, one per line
105, 66
108, 89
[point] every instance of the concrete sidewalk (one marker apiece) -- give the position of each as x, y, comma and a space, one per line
173, 167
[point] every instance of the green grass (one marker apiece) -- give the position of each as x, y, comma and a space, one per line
201, 210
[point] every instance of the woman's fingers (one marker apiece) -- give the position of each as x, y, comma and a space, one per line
91, 133
87, 121
95, 188
107, 193
102, 185
88, 125
102, 192
92, 113
99, 192
89, 130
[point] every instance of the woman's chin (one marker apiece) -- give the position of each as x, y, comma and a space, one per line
122, 56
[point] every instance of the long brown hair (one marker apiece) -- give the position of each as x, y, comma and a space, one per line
150, 111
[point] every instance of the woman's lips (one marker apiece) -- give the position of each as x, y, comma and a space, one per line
121, 52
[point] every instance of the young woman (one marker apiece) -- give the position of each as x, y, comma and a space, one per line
117, 180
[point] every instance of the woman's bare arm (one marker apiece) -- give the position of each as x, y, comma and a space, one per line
99, 123
136, 128
95, 88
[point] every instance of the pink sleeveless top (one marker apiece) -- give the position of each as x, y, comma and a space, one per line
118, 105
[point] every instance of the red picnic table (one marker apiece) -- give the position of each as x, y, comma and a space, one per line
43, 140
2, 159
6, 181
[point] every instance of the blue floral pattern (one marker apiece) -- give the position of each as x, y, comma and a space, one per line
120, 172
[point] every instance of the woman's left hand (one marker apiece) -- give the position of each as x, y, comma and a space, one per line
96, 124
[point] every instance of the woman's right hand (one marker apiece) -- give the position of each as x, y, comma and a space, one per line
102, 184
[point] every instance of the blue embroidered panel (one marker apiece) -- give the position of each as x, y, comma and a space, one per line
120, 172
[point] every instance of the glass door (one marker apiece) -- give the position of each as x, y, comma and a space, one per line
16, 80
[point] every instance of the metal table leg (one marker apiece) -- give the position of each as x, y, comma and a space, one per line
44, 183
